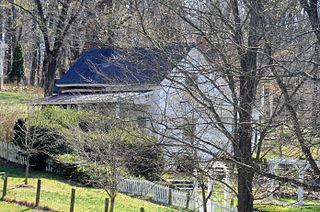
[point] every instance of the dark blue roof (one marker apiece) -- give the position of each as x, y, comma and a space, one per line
114, 67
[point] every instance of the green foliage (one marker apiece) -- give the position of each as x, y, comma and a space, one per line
68, 158
146, 160
69, 166
64, 131
56, 117
17, 69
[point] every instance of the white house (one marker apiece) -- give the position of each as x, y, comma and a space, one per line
174, 92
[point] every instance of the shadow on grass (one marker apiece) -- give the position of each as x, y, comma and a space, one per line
29, 205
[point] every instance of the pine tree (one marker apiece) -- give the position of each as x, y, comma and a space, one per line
17, 68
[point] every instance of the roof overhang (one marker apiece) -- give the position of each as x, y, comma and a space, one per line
80, 99
74, 88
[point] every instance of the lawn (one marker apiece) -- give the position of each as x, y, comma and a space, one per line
20, 94
270, 208
55, 193
9, 207
17, 97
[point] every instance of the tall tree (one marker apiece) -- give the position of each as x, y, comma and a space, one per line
17, 69
233, 37
67, 15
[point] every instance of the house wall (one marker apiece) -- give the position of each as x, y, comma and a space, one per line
182, 121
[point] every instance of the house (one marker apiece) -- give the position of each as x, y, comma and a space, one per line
167, 91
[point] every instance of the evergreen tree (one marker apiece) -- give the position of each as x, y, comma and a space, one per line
17, 68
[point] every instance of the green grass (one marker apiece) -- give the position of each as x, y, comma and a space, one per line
17, 97
289, 205
55, 193
10, 207
270, 208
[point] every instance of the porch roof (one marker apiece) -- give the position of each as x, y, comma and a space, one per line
76, 99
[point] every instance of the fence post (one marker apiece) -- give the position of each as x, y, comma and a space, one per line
106, 205
170, 196
38, 192
188, 200
141, 209
5, 184
73, 192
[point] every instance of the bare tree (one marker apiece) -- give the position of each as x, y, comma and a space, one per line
104, 145
37, 139
221, 85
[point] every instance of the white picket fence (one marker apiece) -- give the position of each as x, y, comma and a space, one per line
181, 199
12, 153
156, 192
165, 195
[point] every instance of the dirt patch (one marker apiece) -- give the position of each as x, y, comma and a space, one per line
25, 186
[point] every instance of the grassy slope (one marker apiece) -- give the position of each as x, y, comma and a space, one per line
56, 193
9, 207
268, 208
16, 97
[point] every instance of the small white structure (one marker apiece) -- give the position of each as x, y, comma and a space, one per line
301, 166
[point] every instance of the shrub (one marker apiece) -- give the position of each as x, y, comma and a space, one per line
42, 140
146, 160
67, 166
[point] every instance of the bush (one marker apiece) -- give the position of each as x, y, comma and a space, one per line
44, 141
146, 160
67, 166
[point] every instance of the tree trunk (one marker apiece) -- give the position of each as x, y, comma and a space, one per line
248, 83
297, 129
112, 203
34, 65
203, 194
245, 197
50, 70
243, 152
315, 94
27, 170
